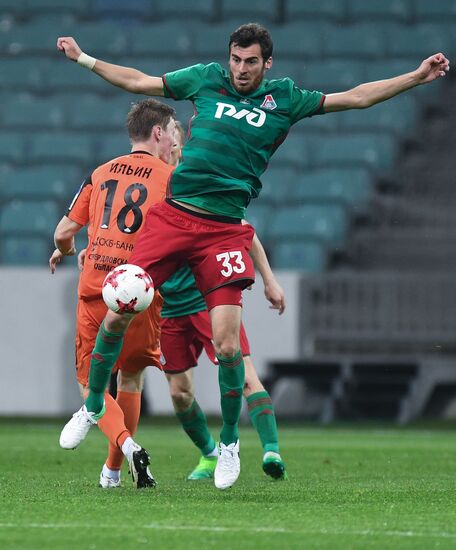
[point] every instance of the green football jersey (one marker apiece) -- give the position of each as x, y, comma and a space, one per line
232, 136
180, 295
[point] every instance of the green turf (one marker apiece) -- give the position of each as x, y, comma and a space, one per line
348, 488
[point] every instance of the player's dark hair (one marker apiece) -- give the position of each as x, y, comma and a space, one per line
252, 33
146, 114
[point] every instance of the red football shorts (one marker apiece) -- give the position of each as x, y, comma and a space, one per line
183, 339
141, 347
215, 247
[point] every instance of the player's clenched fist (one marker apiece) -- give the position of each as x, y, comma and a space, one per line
69, 46
433, 67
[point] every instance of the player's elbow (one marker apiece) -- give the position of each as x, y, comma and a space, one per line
66, 229
60, 235
358, 99
133, 86
61, 239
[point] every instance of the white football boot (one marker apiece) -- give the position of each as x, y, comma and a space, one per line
108, 482
228, 466
75, 431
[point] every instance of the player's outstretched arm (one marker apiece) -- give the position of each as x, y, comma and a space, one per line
127, 78
366, 95
272, 290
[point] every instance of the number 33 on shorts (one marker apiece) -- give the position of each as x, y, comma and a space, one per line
231, 262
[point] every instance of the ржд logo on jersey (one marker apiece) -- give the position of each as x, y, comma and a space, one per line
256, 117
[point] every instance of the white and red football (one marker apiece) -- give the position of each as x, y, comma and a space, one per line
128, 289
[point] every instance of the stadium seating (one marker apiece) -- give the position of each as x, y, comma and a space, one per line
42, 182
168, 38
29, 38
290, 68
61, 76
316, 125
22, 74
335, 75
351, 188
372, 150
278, 184
30, 112
62, 147
103, 38
259, 214
12, 7
20, 217
418, 40
79, 7
182, 9
362, 40
58, 121
306, 255
311, 9
394, 10
440, 10
124, 11
326, 222
396, 116
99, 113
212, 40
12, 146
254, 10
296, 151
300, 39
26, 251
112, 146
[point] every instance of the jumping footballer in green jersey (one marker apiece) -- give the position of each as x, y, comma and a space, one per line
185, 331
240, 120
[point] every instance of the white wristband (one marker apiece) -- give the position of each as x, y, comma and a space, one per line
86, 61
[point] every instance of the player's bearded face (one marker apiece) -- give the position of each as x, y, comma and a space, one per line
247, 68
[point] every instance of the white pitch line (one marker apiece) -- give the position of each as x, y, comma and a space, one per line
216, 529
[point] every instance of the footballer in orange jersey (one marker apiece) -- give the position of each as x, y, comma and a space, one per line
113, 202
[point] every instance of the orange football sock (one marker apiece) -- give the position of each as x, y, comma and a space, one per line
130, 403
112, 423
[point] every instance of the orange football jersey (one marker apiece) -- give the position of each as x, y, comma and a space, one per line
113, 201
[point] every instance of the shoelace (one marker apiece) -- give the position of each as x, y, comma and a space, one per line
228, 452
82, 418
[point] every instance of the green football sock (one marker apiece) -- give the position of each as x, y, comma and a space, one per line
261, 411
194, 422
104, 356
231, 382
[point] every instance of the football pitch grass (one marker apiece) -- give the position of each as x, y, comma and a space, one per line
349, 487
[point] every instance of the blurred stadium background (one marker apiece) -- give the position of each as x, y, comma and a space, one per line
357, 211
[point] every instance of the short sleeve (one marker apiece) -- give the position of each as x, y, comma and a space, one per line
184, 83
78, 210
305, 103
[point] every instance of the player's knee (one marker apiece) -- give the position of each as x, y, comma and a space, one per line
130, 382
113, 322
182, 397
226, 348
